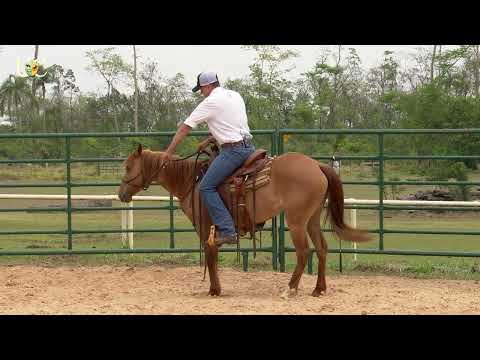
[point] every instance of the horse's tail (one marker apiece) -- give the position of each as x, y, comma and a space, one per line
336, 208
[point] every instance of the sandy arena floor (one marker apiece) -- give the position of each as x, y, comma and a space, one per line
174, 290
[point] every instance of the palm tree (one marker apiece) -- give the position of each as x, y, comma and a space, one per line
35, 56
14, 92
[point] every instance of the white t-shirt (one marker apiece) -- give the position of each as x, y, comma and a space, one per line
225, 114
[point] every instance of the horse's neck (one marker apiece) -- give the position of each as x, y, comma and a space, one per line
180, 177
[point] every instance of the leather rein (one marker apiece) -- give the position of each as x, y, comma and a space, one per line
145, 185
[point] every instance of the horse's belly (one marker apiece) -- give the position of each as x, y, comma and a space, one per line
267, 203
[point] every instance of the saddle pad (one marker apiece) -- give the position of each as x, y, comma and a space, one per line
262, 178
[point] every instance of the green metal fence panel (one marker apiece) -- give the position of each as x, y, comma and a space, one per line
278, 249
69, 209
381, 183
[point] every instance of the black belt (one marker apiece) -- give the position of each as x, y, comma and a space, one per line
245, 143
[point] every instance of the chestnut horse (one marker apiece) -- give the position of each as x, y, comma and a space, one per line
299, 186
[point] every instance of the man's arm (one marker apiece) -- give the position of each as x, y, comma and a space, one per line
201, 113
177, 139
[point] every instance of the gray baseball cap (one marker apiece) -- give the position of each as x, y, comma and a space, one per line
205, 78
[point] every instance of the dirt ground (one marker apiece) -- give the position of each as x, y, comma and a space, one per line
179, 290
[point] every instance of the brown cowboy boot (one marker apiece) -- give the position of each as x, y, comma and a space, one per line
226, 239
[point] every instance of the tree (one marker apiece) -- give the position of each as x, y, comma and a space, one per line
64, 81
15, 92
271, 87
35, 57
472, 68
384, 89
135, 116
336, 84
112, 68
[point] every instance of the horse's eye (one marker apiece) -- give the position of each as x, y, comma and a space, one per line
128, 168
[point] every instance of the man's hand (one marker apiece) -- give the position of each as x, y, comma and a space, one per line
205, 143
168, 156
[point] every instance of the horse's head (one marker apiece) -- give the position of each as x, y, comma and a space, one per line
141, 168
132, 181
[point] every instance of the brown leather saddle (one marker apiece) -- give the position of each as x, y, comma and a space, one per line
251, 176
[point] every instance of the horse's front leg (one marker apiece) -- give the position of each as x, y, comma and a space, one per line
211, 258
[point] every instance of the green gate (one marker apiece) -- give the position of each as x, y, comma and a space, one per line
277, 249
381, 183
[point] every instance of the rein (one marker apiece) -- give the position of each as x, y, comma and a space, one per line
198, 153
191, 189
145, 185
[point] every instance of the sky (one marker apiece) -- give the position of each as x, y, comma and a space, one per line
229, 61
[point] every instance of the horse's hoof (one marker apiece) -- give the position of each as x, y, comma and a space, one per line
214, 292
288, 293
300, 284
318, 292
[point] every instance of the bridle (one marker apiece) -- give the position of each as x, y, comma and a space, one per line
145, 184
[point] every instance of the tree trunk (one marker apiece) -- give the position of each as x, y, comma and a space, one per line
333, 101
70, 111
135, 115
476, 70
35, 56
115, 121
16, 117
433, 62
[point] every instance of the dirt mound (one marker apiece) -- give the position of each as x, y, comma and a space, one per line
440, 195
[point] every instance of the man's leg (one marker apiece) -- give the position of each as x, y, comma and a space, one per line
222, 167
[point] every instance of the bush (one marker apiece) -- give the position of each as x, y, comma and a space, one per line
457, 171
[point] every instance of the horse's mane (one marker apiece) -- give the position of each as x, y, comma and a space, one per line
179, 174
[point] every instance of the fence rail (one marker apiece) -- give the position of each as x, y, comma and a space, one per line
277, 249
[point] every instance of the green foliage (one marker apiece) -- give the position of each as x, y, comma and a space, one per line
439, 91
444, 172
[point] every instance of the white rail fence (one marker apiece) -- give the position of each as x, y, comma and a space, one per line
127, 215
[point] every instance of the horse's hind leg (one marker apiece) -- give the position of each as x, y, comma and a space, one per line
321, 248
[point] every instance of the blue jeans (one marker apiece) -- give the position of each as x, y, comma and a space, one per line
229, 160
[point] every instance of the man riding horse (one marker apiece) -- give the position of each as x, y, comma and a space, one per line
295, 183
225, 114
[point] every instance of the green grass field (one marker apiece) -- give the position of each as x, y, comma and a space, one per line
464, 268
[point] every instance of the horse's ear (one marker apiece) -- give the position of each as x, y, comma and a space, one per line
139, 150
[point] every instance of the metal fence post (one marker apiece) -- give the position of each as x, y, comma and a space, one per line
340, 262
124, 228
281, 242
381, 189
281, 228
172, 225
274, 219
274, 243
130, 225
68, 163
353, 223
245, 260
